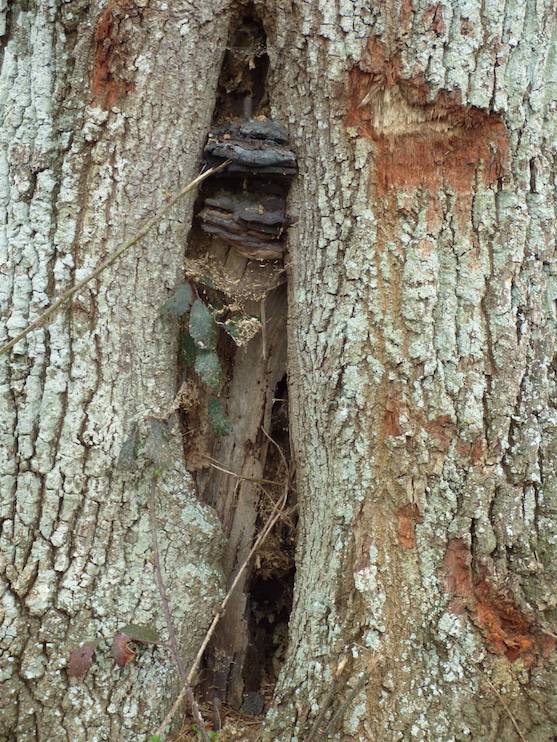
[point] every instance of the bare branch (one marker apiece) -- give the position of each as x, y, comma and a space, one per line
172, 639
257, 480
112, 258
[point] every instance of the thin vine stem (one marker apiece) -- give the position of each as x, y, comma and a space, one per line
334, 723
315, 730
112, 258
277, 513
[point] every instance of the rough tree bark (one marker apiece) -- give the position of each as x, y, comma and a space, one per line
421, 294
422, 366
102, 117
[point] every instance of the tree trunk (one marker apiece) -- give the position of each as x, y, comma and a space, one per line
421, 324
422, 370
105, 110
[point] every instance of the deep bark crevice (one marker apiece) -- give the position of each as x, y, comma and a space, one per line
235, 473
271, 584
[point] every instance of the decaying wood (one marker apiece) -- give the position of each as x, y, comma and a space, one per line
422, 343
250, 393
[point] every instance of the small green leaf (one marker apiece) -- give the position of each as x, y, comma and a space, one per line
218, 420
155, 738
208, 367
188, 349
179, 302
202, 327
140, 633
212, 735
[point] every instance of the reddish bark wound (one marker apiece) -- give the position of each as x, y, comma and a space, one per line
408, 515
109, 81
432, 162
507, 630
442, 429
440, 143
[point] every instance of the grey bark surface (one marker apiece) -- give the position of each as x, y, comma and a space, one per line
422, 377
103, 114
421, 361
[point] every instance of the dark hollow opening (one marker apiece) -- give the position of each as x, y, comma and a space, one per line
270, 590
241, 90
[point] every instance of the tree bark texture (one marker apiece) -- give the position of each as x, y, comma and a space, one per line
103, 116
422, 368
421, 293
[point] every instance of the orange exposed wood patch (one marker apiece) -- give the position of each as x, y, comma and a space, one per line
110, 80
408, 516
422, 143
505, 626
391, 424
377, 59
420, 161
508, 630
443, 429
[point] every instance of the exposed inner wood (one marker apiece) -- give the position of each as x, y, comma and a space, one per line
235, 249
254, 379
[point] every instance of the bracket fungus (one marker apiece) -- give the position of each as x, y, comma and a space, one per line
247, 208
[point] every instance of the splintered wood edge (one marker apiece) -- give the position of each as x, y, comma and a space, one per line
239, 278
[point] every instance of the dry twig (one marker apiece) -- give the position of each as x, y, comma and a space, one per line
112, 258
317, 731
172, 639
257, 480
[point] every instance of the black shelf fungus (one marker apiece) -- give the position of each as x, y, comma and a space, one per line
247, 208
